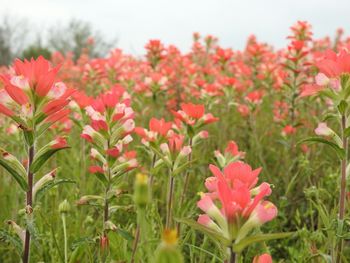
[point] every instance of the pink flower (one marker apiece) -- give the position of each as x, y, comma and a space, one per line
243, 110
323, 130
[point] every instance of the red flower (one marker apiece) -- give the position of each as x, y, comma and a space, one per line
160, 126
38, 73
16, 93
193, 110
232, 148
192, 113
95, 169
59, 142
264, 258
333, 65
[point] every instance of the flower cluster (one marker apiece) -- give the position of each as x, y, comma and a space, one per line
32, 97
111, 122
234, 205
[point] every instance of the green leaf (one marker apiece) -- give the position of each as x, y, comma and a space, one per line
82, 241
340, 152
181, 168
347, 132
125, 234
14, 167
342, 107
166, 160
102, 177
28, 137
345, 85
327, 258
258, 238
7, 237
43, 155
77, 254
40, 193
329, 116
209, 232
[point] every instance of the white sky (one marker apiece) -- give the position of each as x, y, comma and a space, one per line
134, 22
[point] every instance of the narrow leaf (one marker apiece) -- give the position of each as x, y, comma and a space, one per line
258, 238
14, 167
39, 194
340, 152
209, 232
42, 156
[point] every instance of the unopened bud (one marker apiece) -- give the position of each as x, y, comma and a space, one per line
64, 207
167, 251
142, 193
104, 243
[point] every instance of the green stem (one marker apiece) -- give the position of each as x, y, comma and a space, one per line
342, 189
65, 237
154, 159
136, 241
233, 257
29, 206
170, 201
187, 180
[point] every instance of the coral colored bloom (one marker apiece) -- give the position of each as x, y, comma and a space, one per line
160, 126
255, 96
310, 90
242, 203
333, 65
264, 258
288, 129
192, 110
193, 114
243, 110
30, 93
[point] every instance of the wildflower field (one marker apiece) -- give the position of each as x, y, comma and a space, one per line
214, 155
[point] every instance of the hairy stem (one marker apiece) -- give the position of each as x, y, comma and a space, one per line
65, 237
170, 201
136, 241
342, 187
232, 258
29, 202
187, 180
154, 159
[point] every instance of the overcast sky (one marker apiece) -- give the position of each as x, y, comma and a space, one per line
134, 22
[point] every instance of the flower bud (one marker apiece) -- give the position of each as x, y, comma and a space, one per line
64, 207
206, 221
186, 150
109, 225
220, 158
104, 243
128, 125
43, 181
19, 231
207, 205
142, 193
321, 79
167, 251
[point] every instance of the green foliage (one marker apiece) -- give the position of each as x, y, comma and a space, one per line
34, 51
